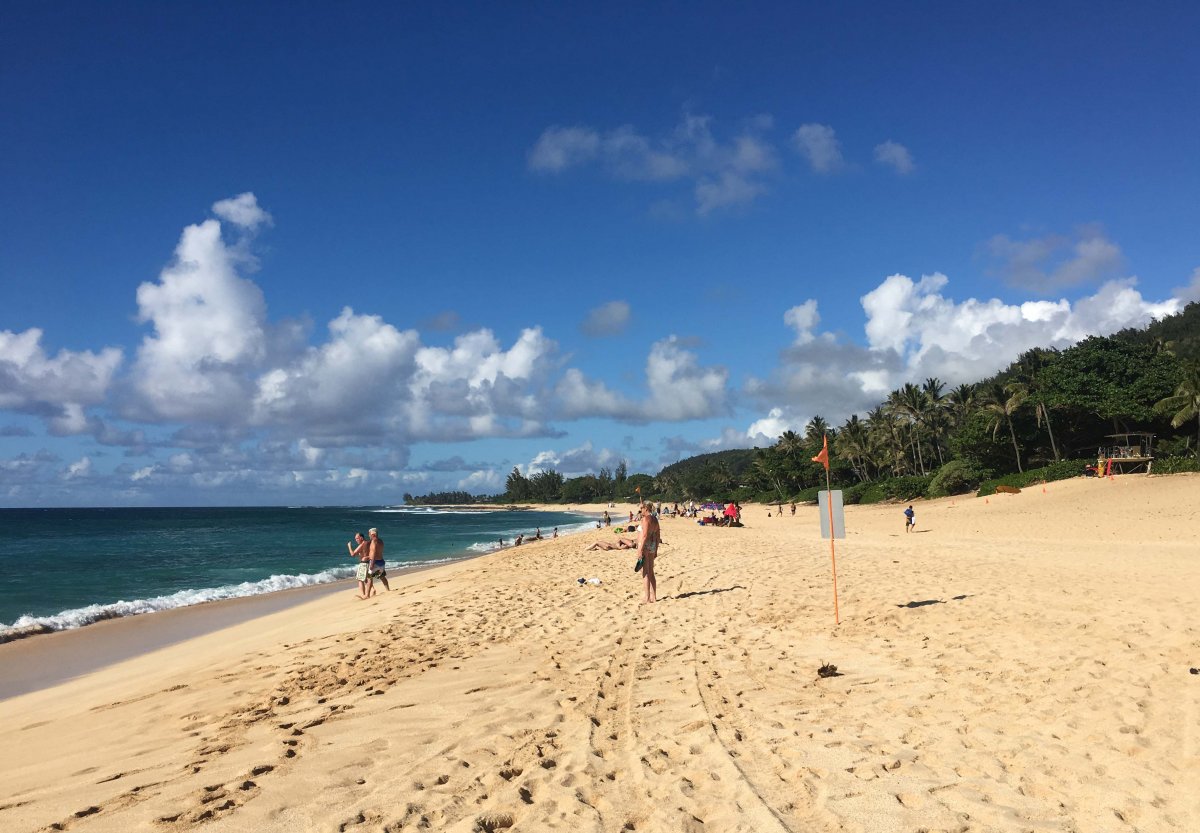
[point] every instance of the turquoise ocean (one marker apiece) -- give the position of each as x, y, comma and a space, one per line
65, 568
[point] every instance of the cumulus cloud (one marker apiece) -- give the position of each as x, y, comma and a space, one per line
914, 330
483, 482
607, 319
1190, 291
1053, 262
722, 173
209, 332
57, 388
803, 319
768, 428
678, 388
572, 462
242, 211
818, 144
896, 156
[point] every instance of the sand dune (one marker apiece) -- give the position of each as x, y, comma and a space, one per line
1016, 664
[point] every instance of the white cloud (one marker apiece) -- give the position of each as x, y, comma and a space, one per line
678, 388
482, 482
573, 462
722, 173
209, 332
1190, 291
56, 388
364, 360
607, 319
727, 189
819, 145
242, 211
80, 469
914, 331
895, 155
771, 426
803, 319
559, 148
1053, 262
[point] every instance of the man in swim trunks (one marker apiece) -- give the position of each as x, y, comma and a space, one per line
376, 569
648, 539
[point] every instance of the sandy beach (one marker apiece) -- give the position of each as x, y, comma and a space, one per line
1019, 663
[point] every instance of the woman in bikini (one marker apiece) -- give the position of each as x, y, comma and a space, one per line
648, 540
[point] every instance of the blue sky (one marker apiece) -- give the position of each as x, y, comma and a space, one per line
334, 253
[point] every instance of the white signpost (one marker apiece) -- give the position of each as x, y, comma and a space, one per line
834, 512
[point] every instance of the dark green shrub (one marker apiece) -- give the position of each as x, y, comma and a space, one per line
893, 488
956, 478
1062, 470
1175, 465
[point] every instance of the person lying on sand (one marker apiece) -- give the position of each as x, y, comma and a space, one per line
621, 544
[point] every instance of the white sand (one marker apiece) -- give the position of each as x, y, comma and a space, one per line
1016, 664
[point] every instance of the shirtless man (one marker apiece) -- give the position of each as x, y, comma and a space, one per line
648, 540
377, 568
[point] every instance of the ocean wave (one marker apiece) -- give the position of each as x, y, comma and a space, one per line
80, 616
510, 534
428, 510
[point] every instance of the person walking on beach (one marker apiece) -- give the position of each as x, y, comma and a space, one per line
360, 549
378, 569
648, 539
910, 520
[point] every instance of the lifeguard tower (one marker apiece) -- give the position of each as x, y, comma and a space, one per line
1126, 454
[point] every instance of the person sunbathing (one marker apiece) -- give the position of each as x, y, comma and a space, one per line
621, 544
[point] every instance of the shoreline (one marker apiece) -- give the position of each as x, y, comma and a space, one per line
39, 658
1022, 661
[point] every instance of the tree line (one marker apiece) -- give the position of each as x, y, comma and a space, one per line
1050, 410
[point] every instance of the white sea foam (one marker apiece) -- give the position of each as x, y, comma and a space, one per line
80, 616
510, 534
430, 510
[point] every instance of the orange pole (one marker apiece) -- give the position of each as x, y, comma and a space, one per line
837, 619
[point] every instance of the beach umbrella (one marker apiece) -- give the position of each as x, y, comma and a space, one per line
730, 511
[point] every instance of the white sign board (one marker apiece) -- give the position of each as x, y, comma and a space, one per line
839, 516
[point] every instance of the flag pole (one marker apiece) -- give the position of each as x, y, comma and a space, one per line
823, 458
837, 619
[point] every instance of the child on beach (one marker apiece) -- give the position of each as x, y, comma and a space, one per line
910, 520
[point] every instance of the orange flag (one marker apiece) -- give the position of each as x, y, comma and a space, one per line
823, 456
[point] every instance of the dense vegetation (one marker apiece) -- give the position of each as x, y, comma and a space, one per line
441, 498
1041, 418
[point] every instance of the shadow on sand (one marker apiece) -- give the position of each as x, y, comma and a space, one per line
925, 602
706, 592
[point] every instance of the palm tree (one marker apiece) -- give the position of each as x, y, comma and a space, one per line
1022, 392
816, 430
934, 415
854, 444
1029, 369
961, 401
909, 402
889, 449
1000, 402
1185, 402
